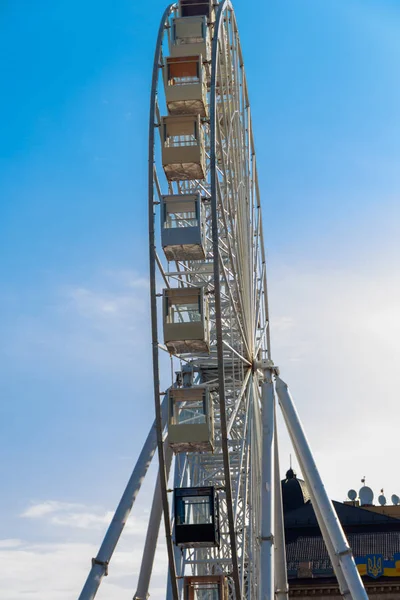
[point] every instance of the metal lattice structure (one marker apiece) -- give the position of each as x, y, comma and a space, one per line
209, 309
233, 276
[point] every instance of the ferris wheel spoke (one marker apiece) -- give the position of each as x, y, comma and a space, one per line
238, 401
161, 269
261, 339
237, 353
258, 299
236, 278
234, 306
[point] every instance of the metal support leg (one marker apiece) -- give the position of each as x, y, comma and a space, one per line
325, 510
153, 529
344, 591
281, 581
180, 480
100, 563
267, 488
343, 587
329, 546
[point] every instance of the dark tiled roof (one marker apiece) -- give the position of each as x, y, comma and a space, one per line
312, 548
352, 518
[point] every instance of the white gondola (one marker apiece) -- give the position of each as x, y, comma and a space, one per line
183, 155
190, 37
206, 587
185, 86
183, 227
186, 320
190, 423
190, 31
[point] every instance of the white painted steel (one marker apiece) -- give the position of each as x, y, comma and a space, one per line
331, 527
331, 551
100, 563
153, 528
233, 278
267, 489
328, 542
281, 582
153, 184
180, 480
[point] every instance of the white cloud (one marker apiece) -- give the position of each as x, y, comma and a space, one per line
121, 301
48, 507
79, 516
42, 570
96, 326
10, 543
335, 336
57, 571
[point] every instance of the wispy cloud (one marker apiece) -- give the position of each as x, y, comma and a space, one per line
57, 571
38, 569
10, 543
37, 511
92, 325
335, 335
80, 516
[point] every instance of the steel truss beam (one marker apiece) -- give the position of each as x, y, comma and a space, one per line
100, 563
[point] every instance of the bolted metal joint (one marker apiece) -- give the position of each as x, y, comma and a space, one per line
102, 563
266, 367
268, 364
344, 552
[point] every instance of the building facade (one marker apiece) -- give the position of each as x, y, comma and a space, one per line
373, 533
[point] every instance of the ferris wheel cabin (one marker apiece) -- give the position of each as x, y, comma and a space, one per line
186, 322
190, 37
185, 86
190, 423
183, 153
206, 587
190, 33
196, 517
183, 227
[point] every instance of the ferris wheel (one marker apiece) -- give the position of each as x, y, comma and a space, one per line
214, 427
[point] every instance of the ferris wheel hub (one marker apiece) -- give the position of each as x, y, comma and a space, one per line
265, 365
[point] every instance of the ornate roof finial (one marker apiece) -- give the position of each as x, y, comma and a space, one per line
291, 474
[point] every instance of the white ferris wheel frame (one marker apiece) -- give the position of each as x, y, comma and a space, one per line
239, 371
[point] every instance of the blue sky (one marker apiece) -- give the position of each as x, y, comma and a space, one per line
75, 379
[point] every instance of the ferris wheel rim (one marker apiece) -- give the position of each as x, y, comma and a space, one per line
153, 305
154, 259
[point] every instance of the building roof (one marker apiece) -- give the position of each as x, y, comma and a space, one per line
294, 492
303, 521
367, 532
